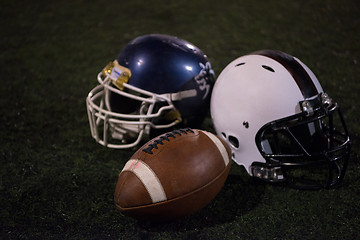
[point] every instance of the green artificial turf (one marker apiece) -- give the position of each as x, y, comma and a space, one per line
56, 182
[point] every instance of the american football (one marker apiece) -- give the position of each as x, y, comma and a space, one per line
173, 175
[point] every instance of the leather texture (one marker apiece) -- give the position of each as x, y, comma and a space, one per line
190, 169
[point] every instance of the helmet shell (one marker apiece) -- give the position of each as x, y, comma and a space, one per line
256, 89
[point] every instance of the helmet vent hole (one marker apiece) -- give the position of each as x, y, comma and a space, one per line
223, 134
239, 64
268, 68
234, 141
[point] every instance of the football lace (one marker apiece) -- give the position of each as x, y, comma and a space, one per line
166, 137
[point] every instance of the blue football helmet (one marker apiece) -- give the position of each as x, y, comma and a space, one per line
156, 83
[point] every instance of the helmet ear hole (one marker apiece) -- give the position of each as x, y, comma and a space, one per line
234, 141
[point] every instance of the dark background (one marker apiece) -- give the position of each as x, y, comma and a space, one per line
57, 182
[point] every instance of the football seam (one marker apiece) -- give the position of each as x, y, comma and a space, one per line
166, 137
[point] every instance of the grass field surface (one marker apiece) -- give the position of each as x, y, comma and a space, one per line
56, 182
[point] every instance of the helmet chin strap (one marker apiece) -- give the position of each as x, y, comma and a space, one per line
125, 132
271, 174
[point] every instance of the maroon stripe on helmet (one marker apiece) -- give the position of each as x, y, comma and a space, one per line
302, 78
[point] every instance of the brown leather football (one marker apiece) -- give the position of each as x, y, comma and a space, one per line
173, 175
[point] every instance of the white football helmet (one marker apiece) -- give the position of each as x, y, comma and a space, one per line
281, 126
